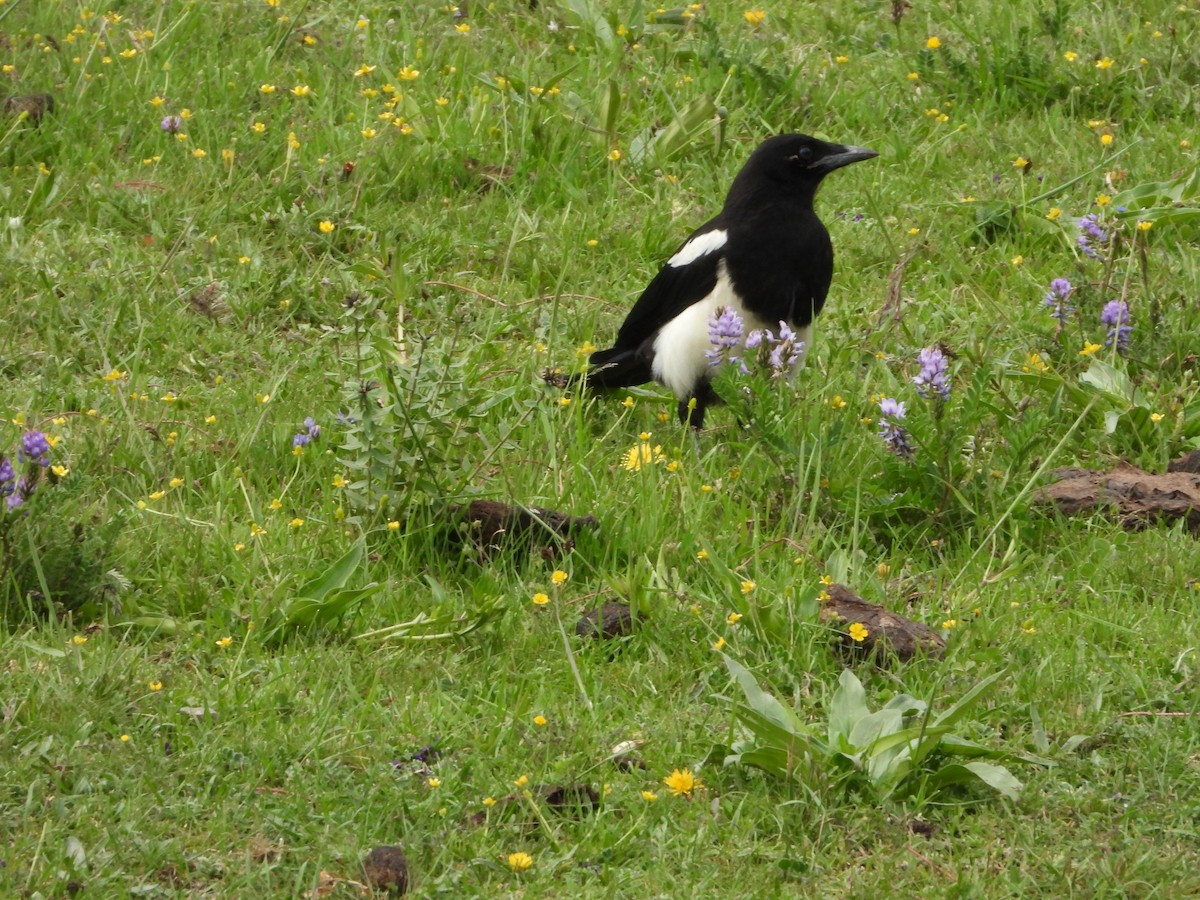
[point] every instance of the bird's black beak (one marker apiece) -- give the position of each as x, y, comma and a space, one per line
843, 157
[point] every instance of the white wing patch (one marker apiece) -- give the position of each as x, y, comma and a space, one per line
681, 346
704, 244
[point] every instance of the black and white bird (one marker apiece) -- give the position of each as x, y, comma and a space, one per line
765, 255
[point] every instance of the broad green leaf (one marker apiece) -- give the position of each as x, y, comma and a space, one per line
761, 702
995, 777
335, 576
848, 705
1109, 380
967, 700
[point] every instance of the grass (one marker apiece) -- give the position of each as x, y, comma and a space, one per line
176, 311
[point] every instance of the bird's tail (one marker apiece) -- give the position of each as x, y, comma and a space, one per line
614, 368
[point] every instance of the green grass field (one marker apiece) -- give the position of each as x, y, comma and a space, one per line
234, 661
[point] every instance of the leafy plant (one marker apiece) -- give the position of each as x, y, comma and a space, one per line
322, 601
899, 750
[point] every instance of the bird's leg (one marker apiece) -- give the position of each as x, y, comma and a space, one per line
691, 412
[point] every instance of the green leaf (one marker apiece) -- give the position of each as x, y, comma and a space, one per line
996, 777
848, 706
761, 702
967, 700
1109, 380
336, 575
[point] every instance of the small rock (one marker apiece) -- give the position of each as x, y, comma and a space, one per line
34, 105
609, 621
386, 869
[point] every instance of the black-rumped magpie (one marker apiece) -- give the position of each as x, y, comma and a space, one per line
765, 255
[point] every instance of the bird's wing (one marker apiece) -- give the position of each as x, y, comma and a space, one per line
686, 278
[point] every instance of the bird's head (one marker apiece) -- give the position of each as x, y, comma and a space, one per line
799, 161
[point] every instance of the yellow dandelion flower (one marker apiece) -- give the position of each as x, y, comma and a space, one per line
1144, 226
489, 802
649, 796
720, 644
199, 154
1070, 56
462, 28
841, 59
614, 155
733, 618
702, 555
754, 16
79, 640
1089, 348
520, 861
326, 227
155, 686
267, 88
1020, 162
858, 632
1156, 417
301, 90
682, 782
224, 642
408, 73
950, 623
559, 578
1054, 213
1103, 199
434, 782
522, 781
541, 598
1104, 63
933, 43
748, 586
539, 721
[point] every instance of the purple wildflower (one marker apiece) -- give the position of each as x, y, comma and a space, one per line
725, 330
19, 493
1091, 232
895, 437
8, 477
35, 447
1056, 299
1116, 316
171, 124
785, 352
933, 378
311, 432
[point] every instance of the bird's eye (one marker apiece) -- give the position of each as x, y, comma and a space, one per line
802, 156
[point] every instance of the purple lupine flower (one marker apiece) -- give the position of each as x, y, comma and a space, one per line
933, 379
786, 351
8, 478
725, 332
1116, 316
171, 124
35, 447
895, 437
311, 432
22, 490
1056, 299
1091, 232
